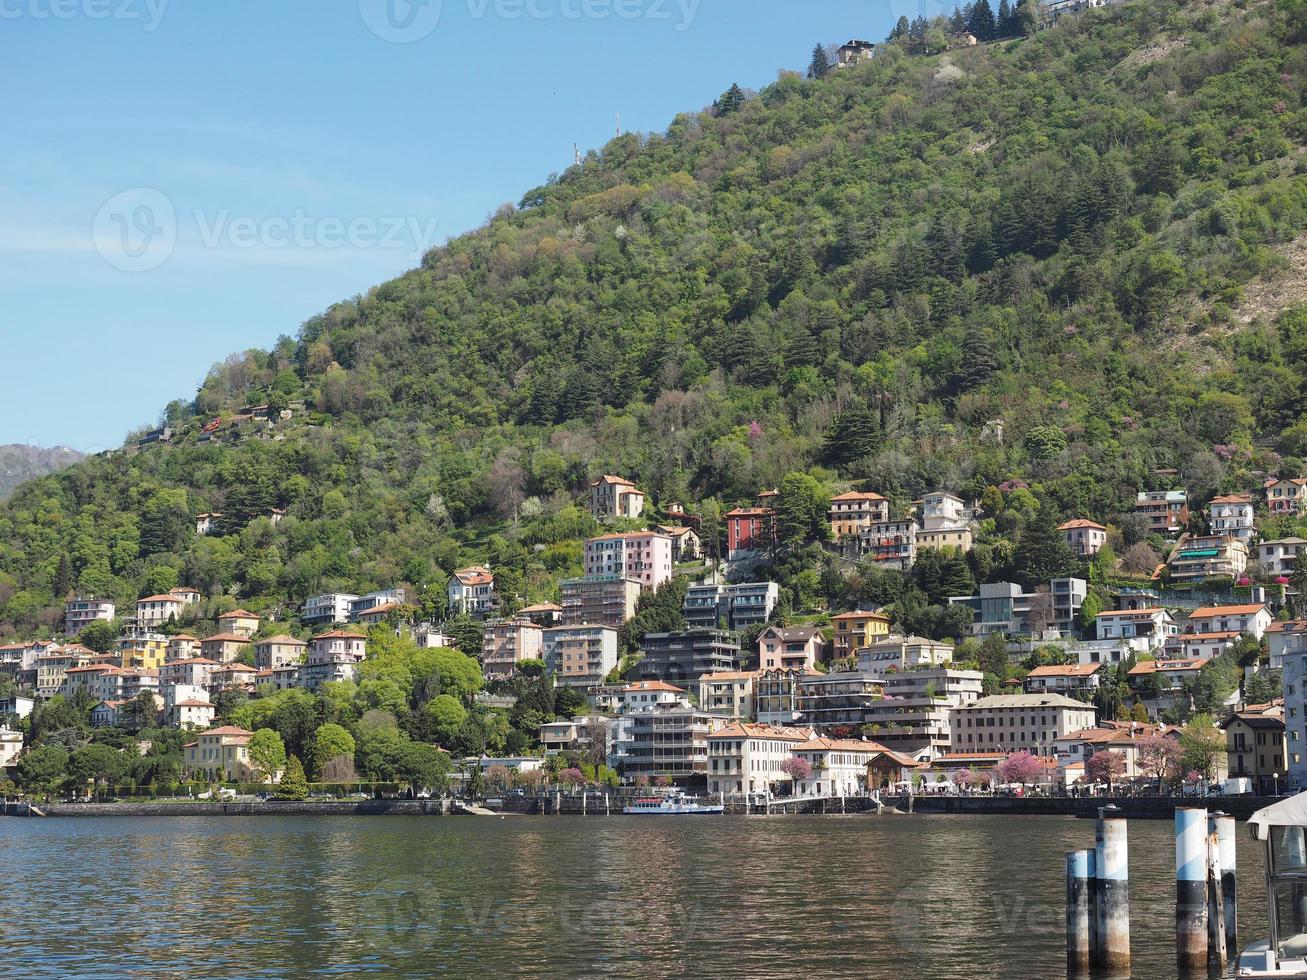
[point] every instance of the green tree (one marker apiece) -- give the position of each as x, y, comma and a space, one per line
330, 742
267, 754
803, 511
819, 67
730, 101
1042, 553
1202, 744
293, 785
447, 715
981, 22
43, 768
97, 764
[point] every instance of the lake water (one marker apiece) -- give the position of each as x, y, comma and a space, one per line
857, 896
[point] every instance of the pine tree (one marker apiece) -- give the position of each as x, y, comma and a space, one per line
819, 67
979, 358
1042, 553
730, 101
900, 29
293, 785
981, 23
1004, 25
957, 22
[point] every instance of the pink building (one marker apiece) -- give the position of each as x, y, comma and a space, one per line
791, 648
644, 556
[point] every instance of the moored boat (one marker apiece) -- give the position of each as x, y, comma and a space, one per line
1283, 828
676, 805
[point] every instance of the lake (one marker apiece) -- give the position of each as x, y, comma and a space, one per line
856, 896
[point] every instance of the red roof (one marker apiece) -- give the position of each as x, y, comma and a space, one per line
238, 614
1246, 610
1080, 523
1065, 670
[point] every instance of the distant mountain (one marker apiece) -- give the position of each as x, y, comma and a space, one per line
18, 464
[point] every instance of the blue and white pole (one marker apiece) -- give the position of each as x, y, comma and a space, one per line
1080, 950
1225, 836
1216, 949
1112, 893
1191, 891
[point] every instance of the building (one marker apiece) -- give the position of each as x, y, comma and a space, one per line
1075, 749
893, 544
914, 715
745, 758
1160, 683
669, 739
331, 609
1084, 537
1294, 685
141, 648
506, 644
183, 646
1286, 496
1148, 629
1252, 618
937, 539
51, 668
240, 622
157, 610
1198, 558
472, 591
207, 523
219, 755
337, 646
1199, 646
838, 766
608, 600
224, 647
1051, 10
1003, 608
776, 696
645, 694
580, 656
544, 614
11, 747
592, 734
942, 509
192, 713
1232, 516
1256, 747
854, 53
838, 700
279, 651
798, 648
386, 612
750, 531
854, 630
196, 674
81, 611
1078, 681
852, 513
642, 556
895, 654
686, 655
16, 706
686, 545
1167, 511
728, 693
388, 599
1018, 722
964, 39
1278, 558
188, 596
736, 607
613, 496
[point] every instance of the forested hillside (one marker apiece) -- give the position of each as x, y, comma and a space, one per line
847, 276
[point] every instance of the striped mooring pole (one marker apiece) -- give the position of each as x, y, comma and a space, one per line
1224, 824
1079, 913
1217, 953
1112, 893
1191, 891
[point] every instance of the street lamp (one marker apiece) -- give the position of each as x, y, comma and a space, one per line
1275, 784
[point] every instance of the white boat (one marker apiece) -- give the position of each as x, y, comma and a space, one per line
676, 805
1283, 828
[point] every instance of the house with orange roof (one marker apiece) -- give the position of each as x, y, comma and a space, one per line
220, 755
793, 647
224, 647
857, 629
1252, 618
750, 531
851, 513
645, 694
239, 621
1068, 679
472, 591
843, 767
747, 758
1084, 537
192, 713
728, 692
1199, 646
615, 496
188, 595
156, 610
381, 613
543, 613
338, 645
183, 646
196, 672
207, 523
277, 651
1286, 496
686, 545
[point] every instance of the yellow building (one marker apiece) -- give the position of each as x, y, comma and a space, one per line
143, 651
220, 754
858, 629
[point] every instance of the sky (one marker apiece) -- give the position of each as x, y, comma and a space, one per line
183, 179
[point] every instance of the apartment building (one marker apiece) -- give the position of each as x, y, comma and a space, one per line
1167, 511
686, 655
1018, 722
608, 600
851, 513
506, 644
580, 656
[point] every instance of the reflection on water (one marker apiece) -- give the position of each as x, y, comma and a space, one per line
858, 896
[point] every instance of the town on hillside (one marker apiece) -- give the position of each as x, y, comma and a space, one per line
1164, 650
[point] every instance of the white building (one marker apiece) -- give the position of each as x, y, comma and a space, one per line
330, 609
81, 611
744, 758
472, 591
941, 510
1232, 516
157, 610
1250, 618
899, 653
1151, 626
1085, 538
1279, 557
643, 556
1017, 722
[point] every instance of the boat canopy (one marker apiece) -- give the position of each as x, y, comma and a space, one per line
1287, 813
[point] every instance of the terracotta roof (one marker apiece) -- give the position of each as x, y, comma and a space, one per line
341, 635
1081, 523
1234, 498
192, 703
860, 615
1227, 635
838, 745
385, 607
1065, 670
183, 636
776, 732
225, 638
750, 512
1154, 666
542, 607
730, 675
627, 535
193, 660
652, 686
158, 598
618, 480
1208, 611
238, 614
281, 638
856, 495
475, 575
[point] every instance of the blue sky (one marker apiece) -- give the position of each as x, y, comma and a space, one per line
181, 179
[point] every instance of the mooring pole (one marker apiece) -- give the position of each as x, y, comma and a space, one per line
1225, 835
1191, 891
1080, 952
1216, 951
1112, 892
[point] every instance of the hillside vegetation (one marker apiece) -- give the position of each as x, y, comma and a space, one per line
847, 277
